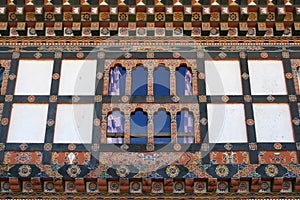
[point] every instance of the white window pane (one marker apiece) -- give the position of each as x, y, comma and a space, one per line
273, 123
34, 77
78, 77
226, 123
223, 77
74, 123
266, 77
28, 123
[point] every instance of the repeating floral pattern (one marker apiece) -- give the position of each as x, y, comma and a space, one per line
4, 80
280, 157
17, 157
81, 158
172, 171
229, 157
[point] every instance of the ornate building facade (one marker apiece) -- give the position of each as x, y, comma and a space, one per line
157, 99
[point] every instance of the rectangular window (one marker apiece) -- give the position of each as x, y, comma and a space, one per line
266, 77
34, 77
28, 123
273, 123
223, 77
226, 123
78, 77
74, 123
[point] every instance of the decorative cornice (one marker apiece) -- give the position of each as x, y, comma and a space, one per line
149, 41
212, 188
193, 19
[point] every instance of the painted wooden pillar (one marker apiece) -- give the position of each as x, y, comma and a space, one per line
197, 133
128, 81
150, 69
172, 80
194, 82
106, 79
173, 127
150, 128
127, 128
103, 128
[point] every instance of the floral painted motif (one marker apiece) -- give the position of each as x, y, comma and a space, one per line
15, 157
271, 170
92, 186
149, 161
49, 186
113, 187
136, 187
122, 171
172, 171
70, 186
59, 48
24, 171
277, 157
157, 187
222, 186
199, 187
73, 171
4, 75
179, 187
247, 171
81, 158
222, 170
229, 157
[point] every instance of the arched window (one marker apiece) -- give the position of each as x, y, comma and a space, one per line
161, 81
185, 126
117, 78
115, 127
139, 81
139, 127
162, 127
183, 81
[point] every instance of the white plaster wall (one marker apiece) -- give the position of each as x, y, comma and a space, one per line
74, 123
34, 77
223, 77
273, 123
77, 77
266, 77
226, 123
28, 123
